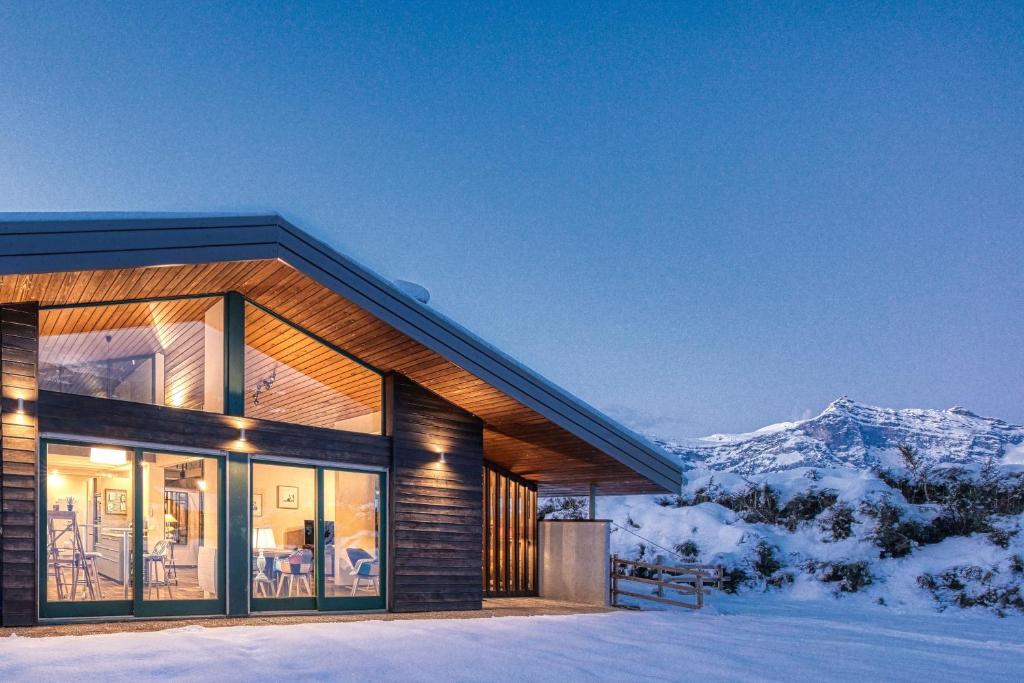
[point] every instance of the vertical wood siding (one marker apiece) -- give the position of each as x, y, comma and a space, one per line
19, 348
436, 507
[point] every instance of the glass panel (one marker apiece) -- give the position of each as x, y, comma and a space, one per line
351, 534
291, 377
283, 531
181, 517
160, 352
88, 527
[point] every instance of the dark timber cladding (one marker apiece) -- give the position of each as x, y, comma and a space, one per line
19, 338
436, 502
101, 418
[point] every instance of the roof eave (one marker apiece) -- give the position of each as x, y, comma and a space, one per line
47, 244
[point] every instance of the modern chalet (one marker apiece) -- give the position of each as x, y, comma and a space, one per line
220, 415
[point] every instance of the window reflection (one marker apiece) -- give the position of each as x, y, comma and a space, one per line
159, 352
291, 377
351, 534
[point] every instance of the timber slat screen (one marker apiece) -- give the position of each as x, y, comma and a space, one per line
510, 535
687, 579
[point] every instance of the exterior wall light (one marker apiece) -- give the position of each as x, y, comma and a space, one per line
21, 406
441, 458
241, 435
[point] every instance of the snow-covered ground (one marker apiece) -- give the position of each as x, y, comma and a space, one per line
743, 638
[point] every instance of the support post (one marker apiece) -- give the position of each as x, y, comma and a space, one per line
613, 598
234, 354
593, 501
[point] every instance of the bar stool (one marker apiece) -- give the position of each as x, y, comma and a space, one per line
152, 560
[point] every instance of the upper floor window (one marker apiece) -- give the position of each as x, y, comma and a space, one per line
292, 377
168, 352
172, 352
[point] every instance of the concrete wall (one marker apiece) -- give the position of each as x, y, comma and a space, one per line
574, 556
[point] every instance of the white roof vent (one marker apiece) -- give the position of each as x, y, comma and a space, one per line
418, 292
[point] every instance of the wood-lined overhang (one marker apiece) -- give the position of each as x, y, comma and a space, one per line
532, 427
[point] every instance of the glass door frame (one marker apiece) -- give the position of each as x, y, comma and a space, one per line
357, 603
320, 602
286, 604
195, 606
135, 606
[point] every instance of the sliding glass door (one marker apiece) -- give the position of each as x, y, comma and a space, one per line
130, 531
180, 570
284, 537
317, 538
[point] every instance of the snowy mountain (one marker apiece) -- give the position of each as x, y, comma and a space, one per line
851, 434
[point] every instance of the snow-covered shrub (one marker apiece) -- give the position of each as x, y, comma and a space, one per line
894, 536
806, 506
733, 579
766, 563
851, 576
754, 504
1001, 537
688, 550
562, 508
838, 521
974, 586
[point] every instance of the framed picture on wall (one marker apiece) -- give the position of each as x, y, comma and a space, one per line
257, 505
288, 497
115, 501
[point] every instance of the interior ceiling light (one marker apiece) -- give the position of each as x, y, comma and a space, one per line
108, 456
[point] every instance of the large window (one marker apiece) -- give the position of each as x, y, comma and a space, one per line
160, 352
317, 538
130, 531
284, 524
172, 352
291, 377
88, 528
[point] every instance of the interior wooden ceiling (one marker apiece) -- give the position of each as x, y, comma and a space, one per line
77, 343
312, 384
516, 437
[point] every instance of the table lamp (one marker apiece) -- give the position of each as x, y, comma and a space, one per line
262, 539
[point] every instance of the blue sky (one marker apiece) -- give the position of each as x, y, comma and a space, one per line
699, 218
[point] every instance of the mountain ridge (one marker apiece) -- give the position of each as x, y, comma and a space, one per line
856, 435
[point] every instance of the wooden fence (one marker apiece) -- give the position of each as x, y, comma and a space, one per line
681, 580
